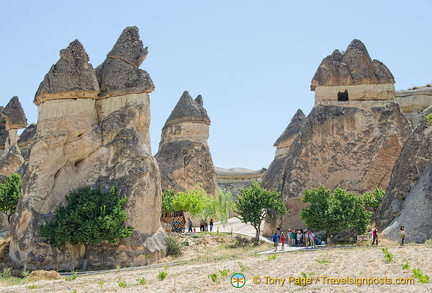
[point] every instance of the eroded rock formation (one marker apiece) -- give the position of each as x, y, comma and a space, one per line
404, 202
352, 137
414, 101
235, 179
82, 139
12, 119
184, 156
274, 172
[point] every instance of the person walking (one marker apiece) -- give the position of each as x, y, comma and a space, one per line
282, 240
311, 237
402, 235
275, 239
375, 236
211, 224
190, 225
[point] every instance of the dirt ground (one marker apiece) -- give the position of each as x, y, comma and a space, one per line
205, 255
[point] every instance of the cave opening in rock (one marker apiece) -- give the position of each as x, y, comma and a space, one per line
343, 96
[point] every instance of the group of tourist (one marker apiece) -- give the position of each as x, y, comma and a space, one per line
204, 226
375, 236
297, 237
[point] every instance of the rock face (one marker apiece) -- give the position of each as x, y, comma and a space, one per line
412, 164
235, 179
345, 143
416, 212
12, 119
85, 140
184, 156
70, 78
283, 144
352, 76
119, 74
414, 101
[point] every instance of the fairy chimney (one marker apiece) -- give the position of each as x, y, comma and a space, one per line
184, 156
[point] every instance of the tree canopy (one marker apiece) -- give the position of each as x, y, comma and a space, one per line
10, 192
89, 217
335, 211
255, 203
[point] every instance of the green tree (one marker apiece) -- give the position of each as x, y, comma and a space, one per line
334, 211
89, 217
255, 203
167, 200
372, 200
224, 206
193, 201
10, 192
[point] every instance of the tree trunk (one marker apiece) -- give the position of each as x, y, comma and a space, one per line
257, 235
84, 266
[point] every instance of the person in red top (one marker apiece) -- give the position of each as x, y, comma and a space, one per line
375, 236
282, 240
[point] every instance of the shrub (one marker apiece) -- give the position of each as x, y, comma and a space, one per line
173, 247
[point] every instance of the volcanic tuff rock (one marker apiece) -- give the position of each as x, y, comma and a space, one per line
346, 147
119, 73
352, 76
282, 145
354, 67
235, 179
25, 139
12, 119
414, 159
83, 140
416, 211
70, 78
351, 138
184, 156
414, 101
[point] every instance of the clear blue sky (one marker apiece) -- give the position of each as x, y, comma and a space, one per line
252, 61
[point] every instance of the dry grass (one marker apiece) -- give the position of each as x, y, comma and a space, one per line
206, 255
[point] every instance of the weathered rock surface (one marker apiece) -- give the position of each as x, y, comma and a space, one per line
184, 156
119, 73
12, 119
414, 101
25, 139
70, 78
3, 132
283, 144
82, 140
354, 67
235, 179
350, 148
414, 159
416, 213
14, 115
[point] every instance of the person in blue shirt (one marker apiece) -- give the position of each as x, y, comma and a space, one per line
275, 238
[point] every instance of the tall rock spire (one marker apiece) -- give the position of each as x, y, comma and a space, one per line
184, 157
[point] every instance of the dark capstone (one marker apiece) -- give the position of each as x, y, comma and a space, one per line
72, 73
293, 127
14, 112
188, 110
118, 78
129, 48
353, 67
